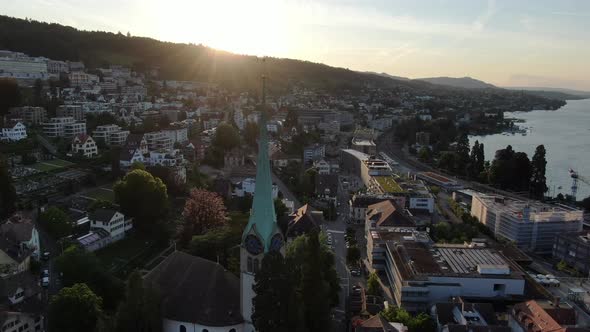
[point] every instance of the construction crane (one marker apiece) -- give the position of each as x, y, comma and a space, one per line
575, 178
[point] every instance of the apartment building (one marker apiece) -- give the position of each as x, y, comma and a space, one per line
158, 141
74, 111
313, 152
30, 115
574, 249
110, 134
63, 127
531, 225
23, 68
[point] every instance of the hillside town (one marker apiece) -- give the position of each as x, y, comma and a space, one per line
117, 182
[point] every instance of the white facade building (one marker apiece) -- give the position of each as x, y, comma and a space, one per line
15, 133
110, 134
85, 145
63, 127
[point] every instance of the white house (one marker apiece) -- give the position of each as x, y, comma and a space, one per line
19, 242
16, 133
85, 145
128, 157
322, 166
248, 186
106, 226
163, 157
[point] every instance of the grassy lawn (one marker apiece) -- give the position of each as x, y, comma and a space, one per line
388, 184
101, 193
51, 165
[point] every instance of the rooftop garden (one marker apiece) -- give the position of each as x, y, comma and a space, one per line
388, 184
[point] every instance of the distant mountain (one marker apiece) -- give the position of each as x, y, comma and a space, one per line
554, 93
399, 78
458, 82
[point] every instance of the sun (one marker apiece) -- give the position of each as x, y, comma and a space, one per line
244, 27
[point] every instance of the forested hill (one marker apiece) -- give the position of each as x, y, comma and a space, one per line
176, 61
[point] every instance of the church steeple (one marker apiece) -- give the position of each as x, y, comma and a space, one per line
263, 220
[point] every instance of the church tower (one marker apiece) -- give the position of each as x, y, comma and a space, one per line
262, 234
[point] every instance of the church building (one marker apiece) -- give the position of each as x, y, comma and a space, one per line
199, 295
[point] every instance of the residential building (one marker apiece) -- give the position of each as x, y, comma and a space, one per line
63, 127
540, 316
74, 111
55, 67
168, 158
23, 68
82, 79
176, 135
84, 144
313, 152
234, 158
130, 156
158, 141
19, 242
136, 142
422, 273
387, 215
20, 304
248, 187
15, 133
423, 138
110, 135
362, 141
106, 226
301, 222
574, 249
379, 324
531, 225
359, 205
30, 115
463, 316
322, 166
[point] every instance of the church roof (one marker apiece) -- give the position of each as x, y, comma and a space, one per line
263, 218
196, 290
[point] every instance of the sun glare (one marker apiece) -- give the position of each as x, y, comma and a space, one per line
244, 27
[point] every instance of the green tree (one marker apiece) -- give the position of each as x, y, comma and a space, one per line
8, 196
74, 309
251, 131
272, 288
143, 197
56, 222
418, 323
9, 95
447, 161
353, 255
140, 311
462, 150
203, 211
79, 266
424, 155
373, 285
538, 179
502, 168
280, 208
226, 138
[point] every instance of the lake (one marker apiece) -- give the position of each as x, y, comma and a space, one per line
566, 136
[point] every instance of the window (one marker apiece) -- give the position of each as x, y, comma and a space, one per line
182, 328
255, 265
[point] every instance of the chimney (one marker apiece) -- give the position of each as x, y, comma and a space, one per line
556, 301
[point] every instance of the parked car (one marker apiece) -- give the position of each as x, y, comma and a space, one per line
45, 273
45, 282
46, 255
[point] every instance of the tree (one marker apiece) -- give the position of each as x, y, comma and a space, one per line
447, 161
79, 266
203, 211
56, 222
9, 95
502, 168
373, 285
424, 155
462, 154
226, 138
74, 309
538, 179
140, 311
280, 208
585, 202
353, 254
522, 171
251, 131
143, 197
8, 196
272, 288
418, 323
292, 119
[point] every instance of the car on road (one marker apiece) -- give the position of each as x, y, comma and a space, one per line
45, 282
355, 272
45, 273
46, 255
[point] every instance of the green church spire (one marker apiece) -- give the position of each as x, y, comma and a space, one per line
263, 218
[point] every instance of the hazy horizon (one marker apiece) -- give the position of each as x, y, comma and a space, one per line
505, 43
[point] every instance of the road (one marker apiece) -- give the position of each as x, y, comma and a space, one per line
285, 190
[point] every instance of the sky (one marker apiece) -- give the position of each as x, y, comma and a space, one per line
543, 43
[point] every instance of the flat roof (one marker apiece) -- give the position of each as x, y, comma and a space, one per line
537, 211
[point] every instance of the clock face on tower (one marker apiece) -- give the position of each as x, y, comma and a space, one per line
253, 245
276, 242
